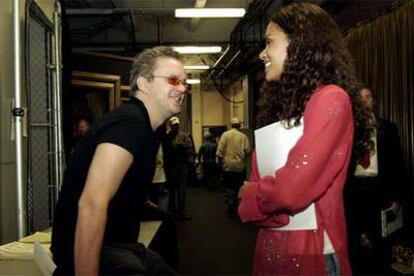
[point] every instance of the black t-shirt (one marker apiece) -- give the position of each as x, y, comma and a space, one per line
208, 152
129, 127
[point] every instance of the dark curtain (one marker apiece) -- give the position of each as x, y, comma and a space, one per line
383, 50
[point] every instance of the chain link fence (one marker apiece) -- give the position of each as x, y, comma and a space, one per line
40, 125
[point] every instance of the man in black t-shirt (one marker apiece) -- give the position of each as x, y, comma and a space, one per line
101, 203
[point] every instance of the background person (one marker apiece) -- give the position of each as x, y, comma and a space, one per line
232, 153
379, 177
158, 192
207, 161
82, 126
104, 191
179, 150
310, 77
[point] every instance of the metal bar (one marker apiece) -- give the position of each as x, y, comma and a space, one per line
221, 57
41, 125
97, 11
18, 114
96, 46
229, 63
195, 21
57, 102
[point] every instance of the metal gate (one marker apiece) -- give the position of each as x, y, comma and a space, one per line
40, 184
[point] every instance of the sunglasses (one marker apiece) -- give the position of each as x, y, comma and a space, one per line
173, 80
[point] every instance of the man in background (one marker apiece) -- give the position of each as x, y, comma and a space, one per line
232, 153
80, 128
207, 161
375, 185
179, 150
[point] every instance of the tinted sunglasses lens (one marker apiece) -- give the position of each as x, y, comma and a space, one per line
174, 80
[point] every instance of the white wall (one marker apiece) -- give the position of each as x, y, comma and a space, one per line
210, 108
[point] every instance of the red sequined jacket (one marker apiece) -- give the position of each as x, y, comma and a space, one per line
315, 172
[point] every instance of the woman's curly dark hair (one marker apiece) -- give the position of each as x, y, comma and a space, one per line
316, 55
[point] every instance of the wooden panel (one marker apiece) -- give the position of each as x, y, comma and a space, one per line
106, 78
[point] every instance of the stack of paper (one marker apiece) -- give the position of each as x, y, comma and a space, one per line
273, 144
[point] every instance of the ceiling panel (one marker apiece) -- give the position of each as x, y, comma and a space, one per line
147, 22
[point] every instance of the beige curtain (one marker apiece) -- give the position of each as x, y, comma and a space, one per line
383, 50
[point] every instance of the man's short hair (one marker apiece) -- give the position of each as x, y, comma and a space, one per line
207, 136
144, 64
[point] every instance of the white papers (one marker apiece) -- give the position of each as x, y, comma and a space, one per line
390, 221
273, 144
305, 220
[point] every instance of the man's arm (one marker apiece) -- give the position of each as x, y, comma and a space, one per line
220, 149
109, 165
247, 147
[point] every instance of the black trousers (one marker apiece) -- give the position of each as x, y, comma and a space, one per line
165, 240
209, 174
132, 259
363, 207
125, 259
232, 183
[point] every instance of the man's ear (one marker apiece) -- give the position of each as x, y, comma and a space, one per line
142, 84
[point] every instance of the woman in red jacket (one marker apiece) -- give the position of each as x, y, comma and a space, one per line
311, 84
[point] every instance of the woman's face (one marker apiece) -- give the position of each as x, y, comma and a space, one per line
275, 53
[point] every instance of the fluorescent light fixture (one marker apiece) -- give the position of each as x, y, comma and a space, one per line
197, 49
196, 67
206, 12
193, 81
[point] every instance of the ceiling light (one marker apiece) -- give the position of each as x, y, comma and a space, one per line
197, 49
196, 67
205, 12
193, 81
